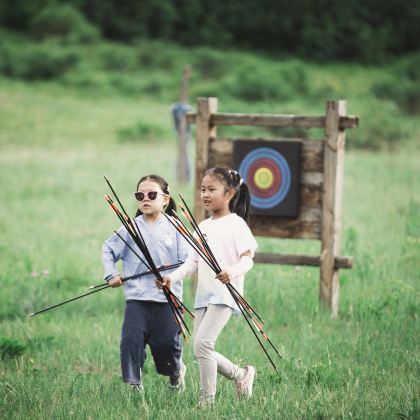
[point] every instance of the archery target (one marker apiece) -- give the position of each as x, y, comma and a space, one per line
267, 174
270, 169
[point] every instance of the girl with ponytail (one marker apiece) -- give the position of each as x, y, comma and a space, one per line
226, 197
148, 317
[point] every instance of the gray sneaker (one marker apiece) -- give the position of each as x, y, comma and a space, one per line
137, 388
178, 380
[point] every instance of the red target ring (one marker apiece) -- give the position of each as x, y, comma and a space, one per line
270, 165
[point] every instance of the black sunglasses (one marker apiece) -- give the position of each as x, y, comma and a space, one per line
151, 195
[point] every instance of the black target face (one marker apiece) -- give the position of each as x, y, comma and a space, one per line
271, 171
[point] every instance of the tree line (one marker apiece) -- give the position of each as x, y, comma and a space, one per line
363, 30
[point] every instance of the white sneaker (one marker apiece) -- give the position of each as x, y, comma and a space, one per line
244, 385
178, 380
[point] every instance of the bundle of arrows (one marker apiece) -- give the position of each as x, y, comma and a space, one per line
133, 230
198, 242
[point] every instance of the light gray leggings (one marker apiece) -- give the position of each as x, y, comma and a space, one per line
208, 324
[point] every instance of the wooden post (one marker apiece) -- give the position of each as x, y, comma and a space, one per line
186, 75
205, 107
182, 174
332, 204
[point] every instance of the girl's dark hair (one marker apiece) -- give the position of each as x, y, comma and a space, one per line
241, 201
164, 187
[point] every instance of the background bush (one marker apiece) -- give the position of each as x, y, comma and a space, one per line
403, 86
36, 62
255, 82
64, 22
117, 58
10, 348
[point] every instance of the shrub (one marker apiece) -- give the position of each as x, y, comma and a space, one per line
40, 62
152, 55
64, 22
257, 83
140, 132
117, 58
377, 131
404, 86
210, 63
10, 348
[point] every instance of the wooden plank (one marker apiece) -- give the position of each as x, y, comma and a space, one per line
221, 152
274, 120
181, 170
293, 230
312, 156
331, 204
348, 122
310, 196
305, 260
312, 179
205, 107
268, 120
306, 226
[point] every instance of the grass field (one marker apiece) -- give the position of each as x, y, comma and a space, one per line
56, 145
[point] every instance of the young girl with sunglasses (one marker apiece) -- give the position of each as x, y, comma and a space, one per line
148, 317
227, 199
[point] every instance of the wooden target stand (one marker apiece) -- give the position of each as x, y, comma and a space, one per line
321, 184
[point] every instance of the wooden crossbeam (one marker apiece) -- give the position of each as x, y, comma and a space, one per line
272, 120
306, 260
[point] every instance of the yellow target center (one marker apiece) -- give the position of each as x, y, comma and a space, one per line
263, 178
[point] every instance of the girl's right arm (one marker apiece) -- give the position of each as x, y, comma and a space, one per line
112, 251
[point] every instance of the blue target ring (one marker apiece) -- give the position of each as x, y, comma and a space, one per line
258, 159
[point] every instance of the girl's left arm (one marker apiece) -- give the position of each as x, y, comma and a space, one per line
239, 269
245, 245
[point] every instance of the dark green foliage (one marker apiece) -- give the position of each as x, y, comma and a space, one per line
370, 30
256, 82
404, 86
117, 58
64, 22
17, 15
378, 131
10, 348
131, 18
36, 62
210, 63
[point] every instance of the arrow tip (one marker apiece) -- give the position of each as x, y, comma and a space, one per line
32, 314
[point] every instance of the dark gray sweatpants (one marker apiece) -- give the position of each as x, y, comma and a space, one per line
152, 323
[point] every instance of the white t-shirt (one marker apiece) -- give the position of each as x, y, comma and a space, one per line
228, 238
